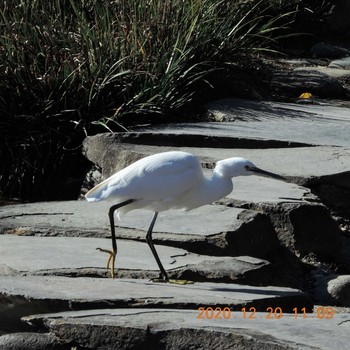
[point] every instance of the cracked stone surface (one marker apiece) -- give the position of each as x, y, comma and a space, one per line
181, 329
76, 256
279, 127
84, 216
333, 290
302, 228
29, 341
26, 295
134, 291
317, 163
177, 228
39, 254
264, 233
320, 125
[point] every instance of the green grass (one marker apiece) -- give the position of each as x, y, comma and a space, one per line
72, 68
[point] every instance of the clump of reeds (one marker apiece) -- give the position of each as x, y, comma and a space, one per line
71, 67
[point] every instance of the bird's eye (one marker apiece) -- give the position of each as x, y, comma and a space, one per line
247, 167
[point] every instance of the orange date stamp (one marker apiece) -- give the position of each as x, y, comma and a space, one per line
271, 313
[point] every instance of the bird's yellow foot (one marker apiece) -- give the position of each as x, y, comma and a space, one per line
111, 259
173, 281
180, 281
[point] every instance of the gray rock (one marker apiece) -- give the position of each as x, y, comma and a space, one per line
339, 289
303, 228
6, 270
256, 125
44, 255
309, 234
309, 230
185, 329
233, 230
29, 341
299, 62
57, 256
332, 70
92, 177
304, 163
323, 169
297, 82
333, 290
343, 63
26, 295
329, 51
241, 269
248, 190
334, 191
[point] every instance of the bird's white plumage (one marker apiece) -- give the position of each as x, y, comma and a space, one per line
157, 182
171, 180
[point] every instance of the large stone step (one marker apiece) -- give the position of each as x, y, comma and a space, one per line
112, 153
211, 229
282, 234
272, 328
311, 124
78, 257
26, 295
314, 173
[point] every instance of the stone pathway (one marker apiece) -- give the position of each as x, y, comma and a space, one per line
317, 125
75, 293
185, 329
263, 248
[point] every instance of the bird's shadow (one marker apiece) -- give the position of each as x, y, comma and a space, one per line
229, 289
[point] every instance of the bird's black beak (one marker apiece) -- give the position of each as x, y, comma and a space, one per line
261, 172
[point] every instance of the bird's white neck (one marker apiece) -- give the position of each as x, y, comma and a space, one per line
210, 190
218, 186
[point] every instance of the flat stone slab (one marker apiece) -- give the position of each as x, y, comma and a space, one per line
73, 256
335, 72
73, 293
80, 215
321, 125
255, 189
171, 328
67, 217
40, 254
211, 229
294, 162
312, 124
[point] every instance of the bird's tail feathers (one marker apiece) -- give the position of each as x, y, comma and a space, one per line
97, 193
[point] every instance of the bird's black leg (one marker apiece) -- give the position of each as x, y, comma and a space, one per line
112, 253
163, 274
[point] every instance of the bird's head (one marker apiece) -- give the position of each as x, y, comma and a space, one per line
237, 166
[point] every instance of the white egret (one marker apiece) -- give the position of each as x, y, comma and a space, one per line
163, 181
